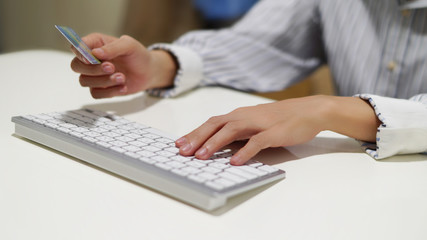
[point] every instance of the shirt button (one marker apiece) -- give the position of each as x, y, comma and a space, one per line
391, 65
405, 13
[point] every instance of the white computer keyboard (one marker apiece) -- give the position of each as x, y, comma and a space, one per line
145, 155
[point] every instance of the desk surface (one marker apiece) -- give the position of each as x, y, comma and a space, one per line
332, 191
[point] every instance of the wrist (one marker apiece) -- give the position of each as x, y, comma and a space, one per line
165, 68
352, 117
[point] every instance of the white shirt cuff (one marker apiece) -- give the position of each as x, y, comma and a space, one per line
189, 74
403, 129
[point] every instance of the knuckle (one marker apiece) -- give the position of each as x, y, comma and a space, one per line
97, 35
215, 120
257, 141
127, 38
239, 110
82, 81
99, 93
74, 64
94, 93
233, 127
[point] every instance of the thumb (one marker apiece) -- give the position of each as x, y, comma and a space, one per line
123, 46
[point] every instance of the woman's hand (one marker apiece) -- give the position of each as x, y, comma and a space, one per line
282, 123
127, 66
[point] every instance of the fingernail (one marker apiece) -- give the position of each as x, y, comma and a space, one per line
124, 89
186, 148
119, 79
202, 152
107, 69
180, 141
235, 160
98, 52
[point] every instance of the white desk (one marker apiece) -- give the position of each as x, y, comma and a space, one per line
332, 191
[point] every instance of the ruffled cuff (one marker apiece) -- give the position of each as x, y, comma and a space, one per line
189, 74
403, 129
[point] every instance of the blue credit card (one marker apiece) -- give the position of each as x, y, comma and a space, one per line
77, 42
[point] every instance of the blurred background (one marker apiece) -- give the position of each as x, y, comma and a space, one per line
29, 24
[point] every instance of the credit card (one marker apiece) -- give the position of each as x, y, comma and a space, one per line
77, 42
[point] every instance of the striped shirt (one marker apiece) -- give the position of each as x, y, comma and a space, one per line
375, 49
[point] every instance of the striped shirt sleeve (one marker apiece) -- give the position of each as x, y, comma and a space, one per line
274, 46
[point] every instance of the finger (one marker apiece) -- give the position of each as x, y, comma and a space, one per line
102, 81
231, 132
255, 144
125, 45
92, 69
97, 40
110, 92
79, 55
93, 40
191, 142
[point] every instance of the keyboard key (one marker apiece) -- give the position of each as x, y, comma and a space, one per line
92, 134
219, 165
172, 149
241, 173
104, 144
165, 153
146, 153
160, 158
180, 158
132, 135
152, 136
118, 143
76, 134
132, 154
252, 170
105, 138
146, 140
215, 185
268, 169
152, 149
211, 170
232, 177
175, 164
197, 178
124, 139
180, 172
159, 145
90, 139
191, 170
195, 164
163, 166
137, 143
131, 148
224, 182
147, 160
120, 131
111, 134
208, 176
118, 149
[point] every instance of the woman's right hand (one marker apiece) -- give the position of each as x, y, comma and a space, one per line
127, 66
